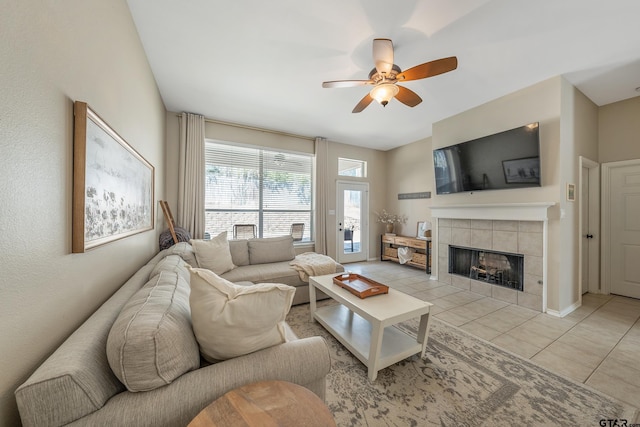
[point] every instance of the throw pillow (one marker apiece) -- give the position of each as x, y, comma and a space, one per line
230, 320
214, 254
239, 252
271, 249
151, 343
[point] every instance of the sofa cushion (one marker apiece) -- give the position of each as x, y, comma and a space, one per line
214, 254
151, 343
275, 272
271, 249
171, 264
185, 251
239, 252
231, 320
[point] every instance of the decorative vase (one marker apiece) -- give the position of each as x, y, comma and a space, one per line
390, 228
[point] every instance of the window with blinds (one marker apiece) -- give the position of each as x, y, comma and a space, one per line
251, 185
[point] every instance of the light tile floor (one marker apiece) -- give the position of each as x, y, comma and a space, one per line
598, 344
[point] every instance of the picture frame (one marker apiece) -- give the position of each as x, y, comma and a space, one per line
424, 230
113, 185
518, 171
571, 192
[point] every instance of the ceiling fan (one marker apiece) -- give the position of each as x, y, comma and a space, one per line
385, 76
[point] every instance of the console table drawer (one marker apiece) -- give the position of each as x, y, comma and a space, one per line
388, 239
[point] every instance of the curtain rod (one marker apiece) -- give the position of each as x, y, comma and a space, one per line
237, 125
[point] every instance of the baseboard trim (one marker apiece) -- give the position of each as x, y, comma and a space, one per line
566, 311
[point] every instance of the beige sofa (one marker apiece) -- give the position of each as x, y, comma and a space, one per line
77, 385
265, 260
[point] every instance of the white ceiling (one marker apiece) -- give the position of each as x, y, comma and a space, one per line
262, 63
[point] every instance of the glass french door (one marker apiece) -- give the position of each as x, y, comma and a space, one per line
353, 221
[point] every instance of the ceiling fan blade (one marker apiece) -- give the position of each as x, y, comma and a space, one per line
383, 55
429, 69
407, 96
347, 83
364, 103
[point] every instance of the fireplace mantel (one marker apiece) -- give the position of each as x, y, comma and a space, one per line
536, 211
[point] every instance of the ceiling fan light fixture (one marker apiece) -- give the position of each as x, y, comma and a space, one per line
384, 92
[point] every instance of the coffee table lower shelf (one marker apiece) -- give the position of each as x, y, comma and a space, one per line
354, 332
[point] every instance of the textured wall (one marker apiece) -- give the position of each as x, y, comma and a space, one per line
54, 53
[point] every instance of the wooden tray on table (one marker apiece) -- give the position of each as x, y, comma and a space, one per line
360, 286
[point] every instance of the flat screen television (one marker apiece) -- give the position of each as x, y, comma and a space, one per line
505, 160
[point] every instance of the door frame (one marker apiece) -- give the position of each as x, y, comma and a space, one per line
605, 231
364, 236
594, 225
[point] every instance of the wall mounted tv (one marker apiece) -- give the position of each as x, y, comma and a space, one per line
505, 160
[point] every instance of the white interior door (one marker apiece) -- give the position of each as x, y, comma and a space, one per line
624, 228
584, 232
353, 221
589, 186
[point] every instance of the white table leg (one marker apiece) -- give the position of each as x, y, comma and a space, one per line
423, 333
312, 299
374, 350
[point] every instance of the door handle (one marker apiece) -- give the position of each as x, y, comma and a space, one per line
589, 236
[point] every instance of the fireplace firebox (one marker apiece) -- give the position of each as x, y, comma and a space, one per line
499, 268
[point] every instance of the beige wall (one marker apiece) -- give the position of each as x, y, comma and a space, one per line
253, 136
54, 53
619, 131
377, 180
410, 170
579, 137
568, 129
541, 103
537, 103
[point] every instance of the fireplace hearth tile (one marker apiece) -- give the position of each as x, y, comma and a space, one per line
482, 288
505, 294
505, 241
444, 235
533, 265
461, 282
482, 239
530, 243
481, 224
533, 302
443, 251
461, 236
444, 222
505, 225
530, 227
531, 285
461, 223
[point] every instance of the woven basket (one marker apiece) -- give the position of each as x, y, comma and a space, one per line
392, 252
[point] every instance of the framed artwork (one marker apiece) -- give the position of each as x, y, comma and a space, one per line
113, 185
424, 230
518, 171
571, 192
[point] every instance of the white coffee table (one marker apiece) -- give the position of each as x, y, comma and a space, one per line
366, 326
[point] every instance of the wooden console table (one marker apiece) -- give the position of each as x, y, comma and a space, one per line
421, 258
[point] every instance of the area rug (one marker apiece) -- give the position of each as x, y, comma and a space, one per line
463, 381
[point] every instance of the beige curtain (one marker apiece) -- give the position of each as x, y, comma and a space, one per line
322, 191
191, 168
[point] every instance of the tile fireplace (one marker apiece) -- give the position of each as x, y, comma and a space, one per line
496, 250
498, 268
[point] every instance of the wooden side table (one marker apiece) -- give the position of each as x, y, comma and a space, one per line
265, 404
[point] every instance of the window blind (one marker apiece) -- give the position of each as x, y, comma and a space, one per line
254, 185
